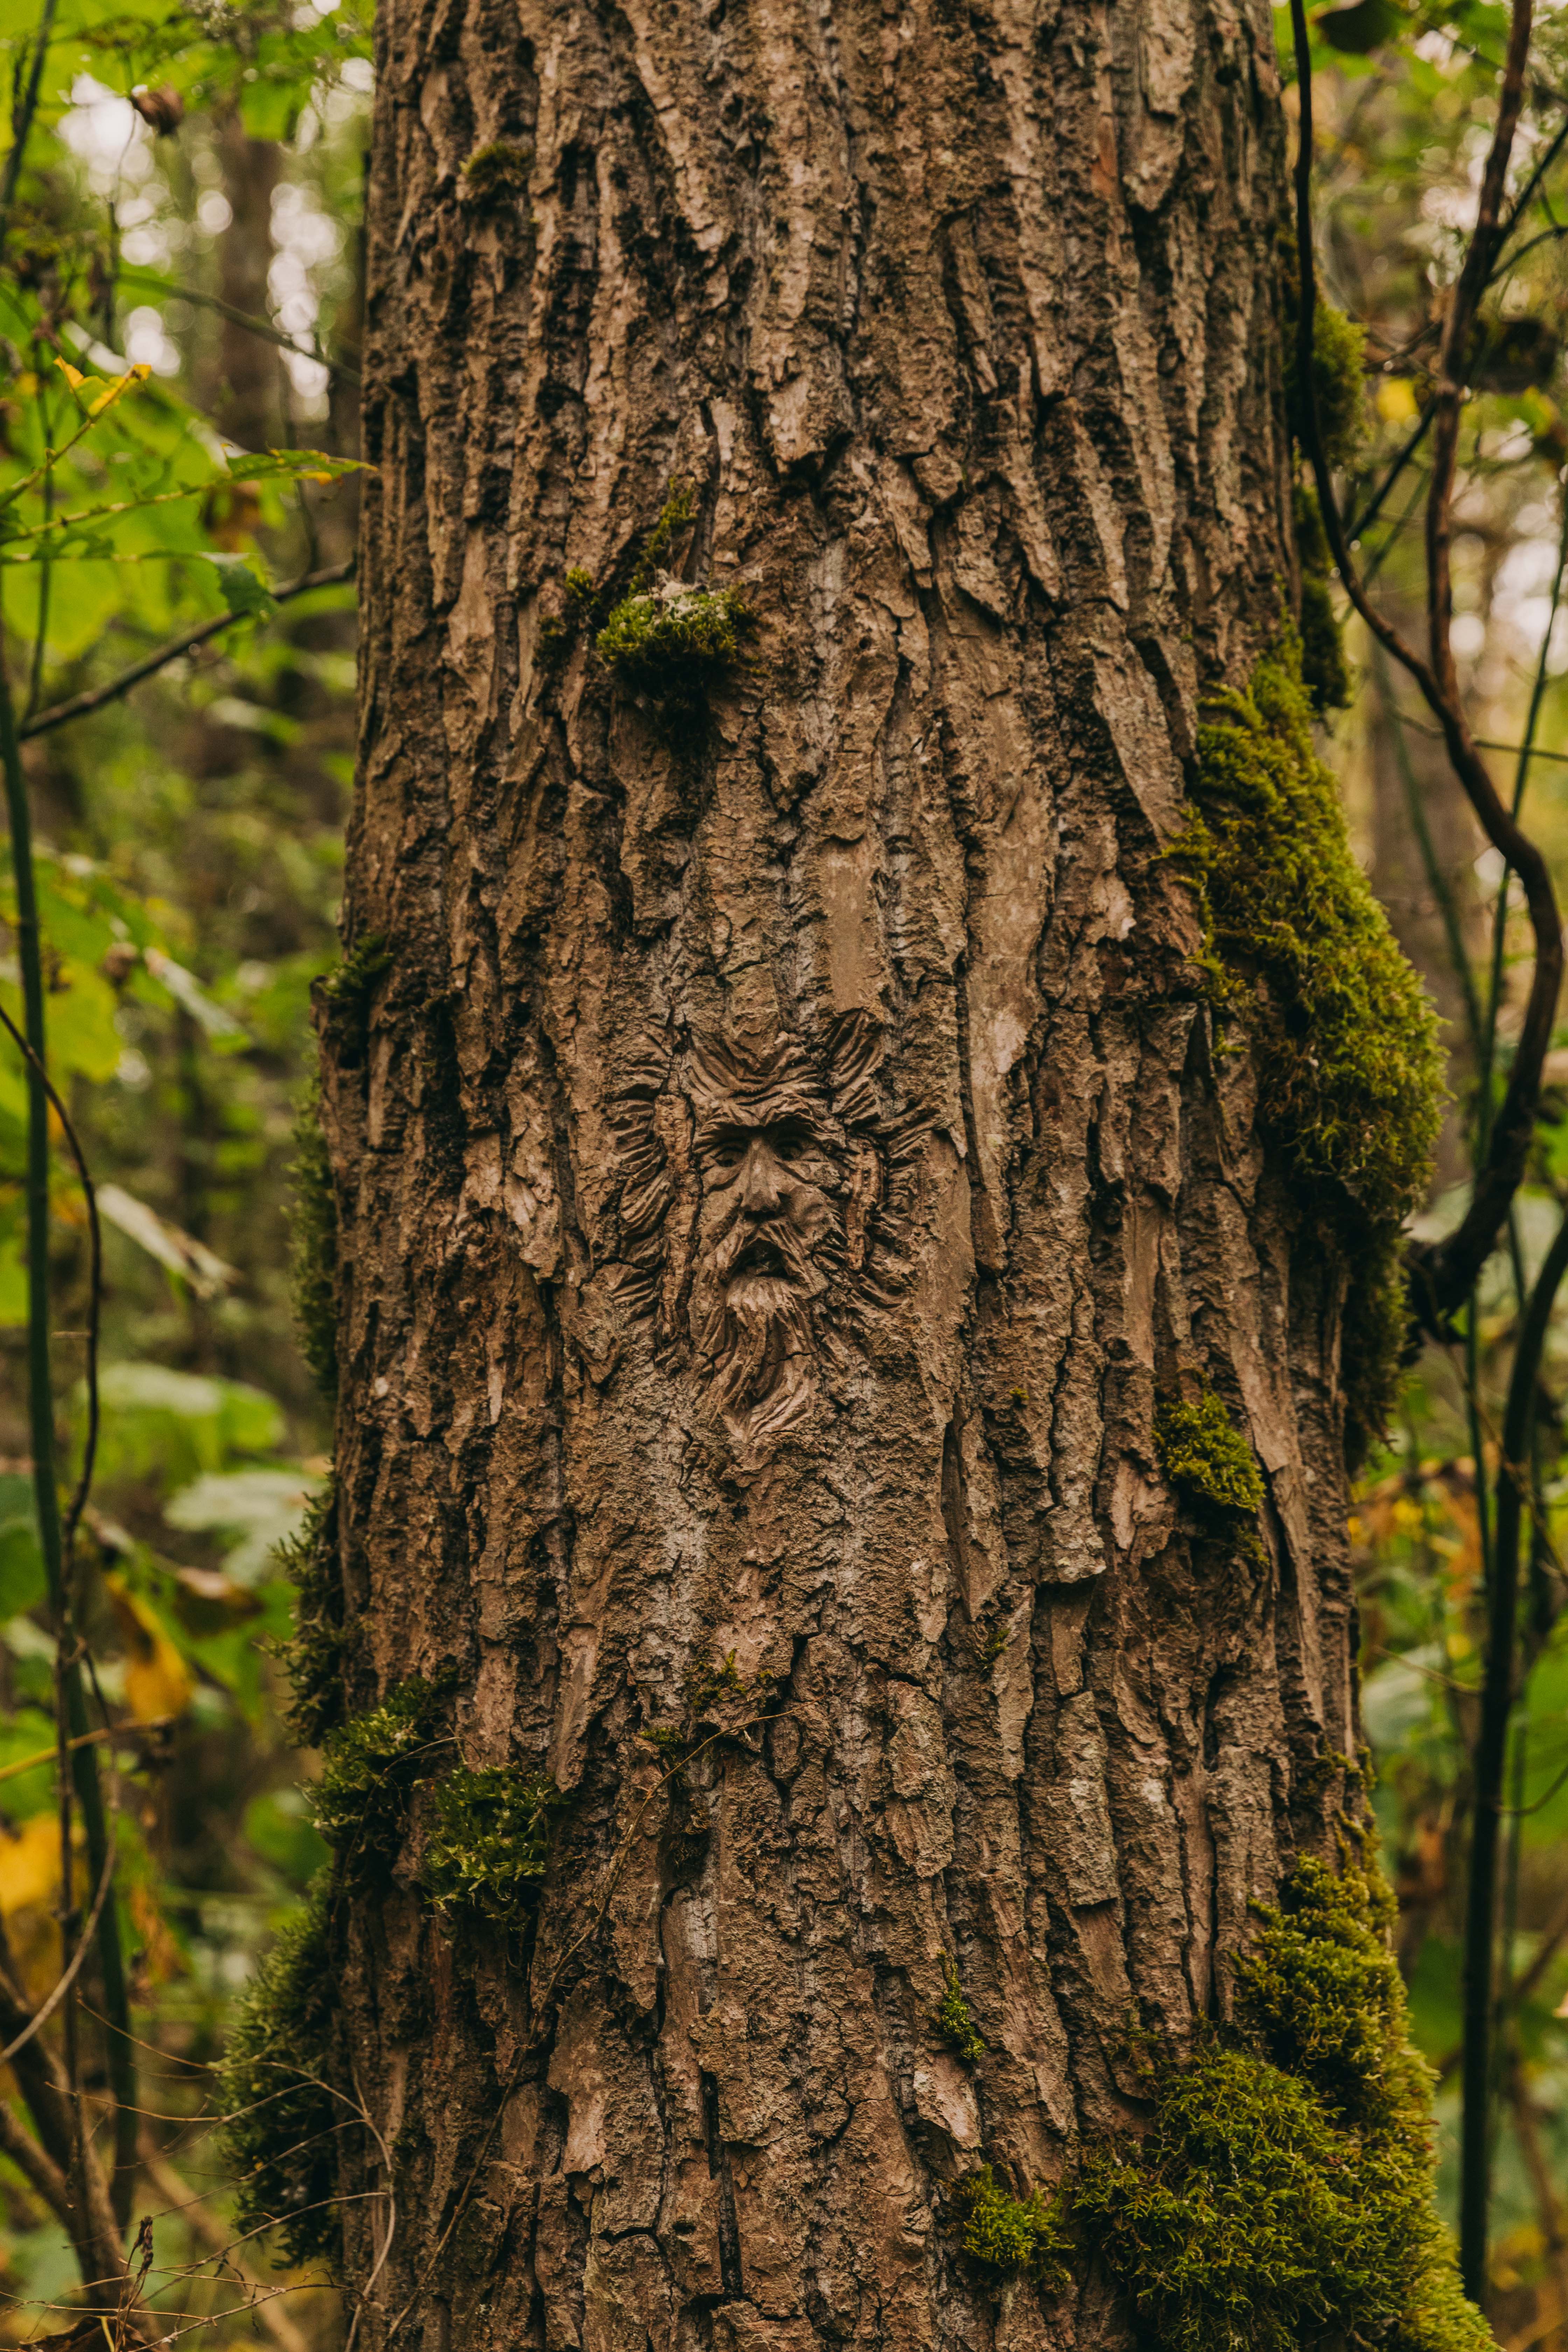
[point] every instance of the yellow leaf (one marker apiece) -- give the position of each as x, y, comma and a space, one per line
158, 1682
1397, 403
73, 376
30, 1864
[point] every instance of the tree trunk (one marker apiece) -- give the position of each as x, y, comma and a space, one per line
785, 1156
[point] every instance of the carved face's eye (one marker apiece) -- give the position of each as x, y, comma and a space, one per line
726, 1150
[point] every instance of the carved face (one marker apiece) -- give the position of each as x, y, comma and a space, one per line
758, 1190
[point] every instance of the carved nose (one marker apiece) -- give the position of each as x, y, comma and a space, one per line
760, 1190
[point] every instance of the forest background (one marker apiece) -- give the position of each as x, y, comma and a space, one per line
181, 288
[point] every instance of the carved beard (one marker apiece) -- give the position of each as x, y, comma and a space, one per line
755, 1320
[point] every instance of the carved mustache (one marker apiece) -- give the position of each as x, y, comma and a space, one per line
771, 1249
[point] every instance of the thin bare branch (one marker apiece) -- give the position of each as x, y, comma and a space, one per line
59, 714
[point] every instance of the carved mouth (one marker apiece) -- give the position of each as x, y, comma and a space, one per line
760, 1257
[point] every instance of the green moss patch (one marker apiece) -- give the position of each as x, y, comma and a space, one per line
1202, 1452
675, 643
372, 1764
1282, 2200
274, 2087
489, 1849
312, 1657
495, 175
1300, 954
667, 640
1007, 2233
953, 2021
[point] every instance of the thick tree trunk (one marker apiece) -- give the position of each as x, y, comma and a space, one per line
787, 1154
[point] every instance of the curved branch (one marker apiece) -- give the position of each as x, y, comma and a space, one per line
1443, 1272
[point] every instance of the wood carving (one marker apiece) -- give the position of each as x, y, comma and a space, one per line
764, 1211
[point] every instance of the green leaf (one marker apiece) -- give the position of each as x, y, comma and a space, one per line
1366, 25
243, 585
23, 1581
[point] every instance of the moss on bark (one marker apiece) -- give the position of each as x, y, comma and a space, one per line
1300, 954
1202, 1452
275, 2089
489, 1849
1282, 2200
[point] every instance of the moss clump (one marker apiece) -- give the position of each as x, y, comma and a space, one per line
1010, 2233
953, 2021
668, 640
489, 1852
345, 988
274, 2087
1299, 953
1201, 1451
372, 1766
1282, 2200
313, 1246
312, 1657
496, 174
674, 642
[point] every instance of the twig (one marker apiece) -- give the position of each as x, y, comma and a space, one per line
59, 713
255, 326
86, 1740
205, 2224
1443, 1272
1486, 1057
83, 1759
22, 123
1437, 881
36, 2166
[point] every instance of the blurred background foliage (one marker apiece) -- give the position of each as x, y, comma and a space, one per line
186, 214
183, 233
1406, 101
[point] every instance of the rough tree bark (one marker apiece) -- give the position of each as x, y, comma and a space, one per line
786, 1156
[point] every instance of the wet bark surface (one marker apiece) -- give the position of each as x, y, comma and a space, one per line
788, 1155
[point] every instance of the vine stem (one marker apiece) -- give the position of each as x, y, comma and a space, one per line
1513, 1484
1442, 1274
81, 1755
